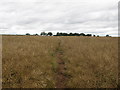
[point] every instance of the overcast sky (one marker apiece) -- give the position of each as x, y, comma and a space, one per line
81, 16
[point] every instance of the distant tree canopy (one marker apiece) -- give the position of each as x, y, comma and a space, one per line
82, 34
88, 35
35, 34
27, 34
66, 34
43, 34
107, 35
72, 34
49, 34
93, 35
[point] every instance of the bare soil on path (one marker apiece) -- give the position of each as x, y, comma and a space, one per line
60, 74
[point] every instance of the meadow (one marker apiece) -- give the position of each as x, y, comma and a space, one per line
44, 61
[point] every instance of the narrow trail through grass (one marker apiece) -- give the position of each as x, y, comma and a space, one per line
59, 62
61, 69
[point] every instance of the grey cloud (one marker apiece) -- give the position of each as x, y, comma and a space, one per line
35, 16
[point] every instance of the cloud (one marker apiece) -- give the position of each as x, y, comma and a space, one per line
35, 16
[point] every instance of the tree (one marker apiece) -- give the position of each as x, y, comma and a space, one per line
36, 34
59, 34
107, 35
93, 35
49, 34
76, 34
27, 34
89, 35
64, 34
82, 34
43, 34
70, 34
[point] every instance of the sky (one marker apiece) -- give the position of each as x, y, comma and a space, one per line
99, 17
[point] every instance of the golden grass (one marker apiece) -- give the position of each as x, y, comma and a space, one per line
30, 61
27, 61
91, 62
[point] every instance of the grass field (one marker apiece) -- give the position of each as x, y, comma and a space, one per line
32, 62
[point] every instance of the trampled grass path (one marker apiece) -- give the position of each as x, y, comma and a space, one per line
60, 74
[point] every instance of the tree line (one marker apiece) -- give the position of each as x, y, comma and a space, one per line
64, 34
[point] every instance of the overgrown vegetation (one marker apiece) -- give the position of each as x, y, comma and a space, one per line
31, 61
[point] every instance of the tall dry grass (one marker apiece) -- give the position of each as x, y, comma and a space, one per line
30, 61
27, 61
91, 61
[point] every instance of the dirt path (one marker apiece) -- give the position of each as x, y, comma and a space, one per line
60, 75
